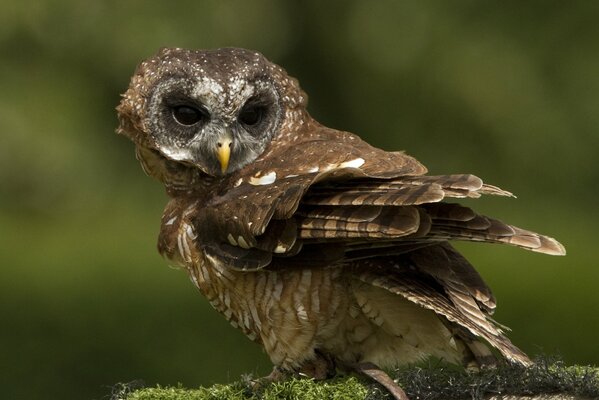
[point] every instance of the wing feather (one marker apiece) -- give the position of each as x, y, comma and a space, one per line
415, 288
349, 196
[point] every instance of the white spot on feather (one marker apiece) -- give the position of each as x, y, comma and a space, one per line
194, 279
238, 182
171, 221
242, 243
301, 312
264, 180
231, 239
355, 163
256, 318
190, 233
280, 249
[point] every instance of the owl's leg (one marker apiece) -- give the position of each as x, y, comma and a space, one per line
277, 375
380, 376
476, 354
319, 368
484, 357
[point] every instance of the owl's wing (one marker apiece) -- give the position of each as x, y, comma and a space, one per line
343, 201
252, 217
336, 198
418, 287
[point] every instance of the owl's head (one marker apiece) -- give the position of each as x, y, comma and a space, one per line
216, 110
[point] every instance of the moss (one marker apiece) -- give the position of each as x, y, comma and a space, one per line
443, 381
431, 381
346, 388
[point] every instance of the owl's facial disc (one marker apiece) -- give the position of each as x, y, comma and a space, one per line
216, 128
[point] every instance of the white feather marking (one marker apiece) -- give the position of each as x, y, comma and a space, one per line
313, 170
194, 279
190, 233
183, 248
242, 243
306, 277
452, 343
355, 163
238, 182
171, 221
256, 318
246, 320
301, 312
231, 239
264, 179
291, 176
280, 249
251, 336
186, 248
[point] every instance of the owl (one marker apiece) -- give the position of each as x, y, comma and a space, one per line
332, 254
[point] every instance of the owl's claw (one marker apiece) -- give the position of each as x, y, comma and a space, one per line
277, 375
320, 368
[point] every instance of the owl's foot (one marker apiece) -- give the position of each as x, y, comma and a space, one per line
380, 376
277, 375
320, 368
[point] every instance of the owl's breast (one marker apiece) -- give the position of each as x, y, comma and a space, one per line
290, 312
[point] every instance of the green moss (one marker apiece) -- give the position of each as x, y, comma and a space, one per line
433, 381
346, 388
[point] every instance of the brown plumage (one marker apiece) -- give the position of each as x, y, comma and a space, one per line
325, 250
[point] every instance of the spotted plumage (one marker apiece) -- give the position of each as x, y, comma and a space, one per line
327, 251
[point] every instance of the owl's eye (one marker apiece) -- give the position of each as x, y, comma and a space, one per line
188, 115
251, 114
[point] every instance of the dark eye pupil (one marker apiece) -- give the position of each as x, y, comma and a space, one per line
251, 115
186, 115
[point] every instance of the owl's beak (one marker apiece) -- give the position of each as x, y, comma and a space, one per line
223, 151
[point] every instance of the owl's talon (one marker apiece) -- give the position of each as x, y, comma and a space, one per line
277, 375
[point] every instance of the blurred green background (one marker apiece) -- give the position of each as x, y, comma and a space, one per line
507, 90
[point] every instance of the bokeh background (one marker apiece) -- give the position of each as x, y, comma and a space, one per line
507, 90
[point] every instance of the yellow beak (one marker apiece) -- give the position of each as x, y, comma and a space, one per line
223, 153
